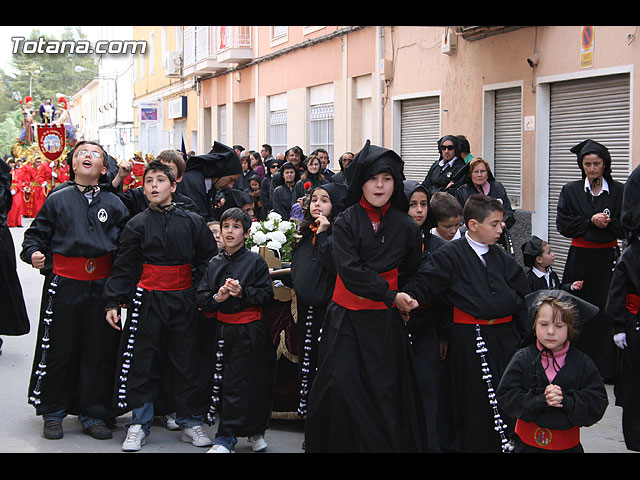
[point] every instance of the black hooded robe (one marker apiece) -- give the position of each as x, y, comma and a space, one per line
14, 319
365, 397
622, 307
313, 273
589, 263
439, 176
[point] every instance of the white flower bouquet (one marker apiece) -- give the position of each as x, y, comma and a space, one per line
274, 233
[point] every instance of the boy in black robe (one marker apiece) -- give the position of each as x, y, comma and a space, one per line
74, 363
136, 200
237, 285
537, 255
365, 397
486, 288
164, 251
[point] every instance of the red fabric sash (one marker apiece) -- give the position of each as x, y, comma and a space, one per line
463, 317
581, 242
343, 297
165, 278
81, 268
540, 437
247, 315
632, 303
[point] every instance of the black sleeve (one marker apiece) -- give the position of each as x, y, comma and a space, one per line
570, 222
126, 269
260, 292
205, 248
38, 236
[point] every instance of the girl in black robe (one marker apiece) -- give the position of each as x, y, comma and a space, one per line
622, 307
364, 397
313, 272
593, 224
550, 386
14, 319
429, 327
283, 196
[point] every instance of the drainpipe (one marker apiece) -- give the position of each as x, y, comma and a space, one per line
380, 88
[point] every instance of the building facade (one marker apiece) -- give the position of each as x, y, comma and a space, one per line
521, 95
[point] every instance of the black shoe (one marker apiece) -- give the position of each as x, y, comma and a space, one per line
99, 431
52, 429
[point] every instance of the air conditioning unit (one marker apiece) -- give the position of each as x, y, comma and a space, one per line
449, 43
174, 64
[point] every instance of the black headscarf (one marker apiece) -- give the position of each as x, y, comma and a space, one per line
410, 186
456, 144
370, 161
219, 162
530, 250
590, 146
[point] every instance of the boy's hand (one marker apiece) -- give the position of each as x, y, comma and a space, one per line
113, 318
405, 303
222, 294
37, 260
234, 287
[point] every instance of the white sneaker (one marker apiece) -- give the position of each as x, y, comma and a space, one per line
197, 436
135, 439
258, 444
169, 421
219, 449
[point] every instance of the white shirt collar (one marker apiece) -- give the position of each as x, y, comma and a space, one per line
539, 273
449, 163
479, 248
605, 186
434, 231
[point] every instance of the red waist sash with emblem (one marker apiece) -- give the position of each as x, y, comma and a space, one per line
547, 438
165, 278
82, 268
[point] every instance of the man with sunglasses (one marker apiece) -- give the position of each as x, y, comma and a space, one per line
448, 172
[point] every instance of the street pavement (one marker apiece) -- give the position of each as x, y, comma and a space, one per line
21, 429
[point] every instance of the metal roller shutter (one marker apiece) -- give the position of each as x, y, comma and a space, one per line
507, 161
419, 135
595, 108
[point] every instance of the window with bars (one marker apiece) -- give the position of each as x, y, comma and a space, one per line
278, 131
321, 127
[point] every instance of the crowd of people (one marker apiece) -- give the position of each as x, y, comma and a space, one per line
418, 331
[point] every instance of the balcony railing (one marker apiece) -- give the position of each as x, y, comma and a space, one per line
234, 44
